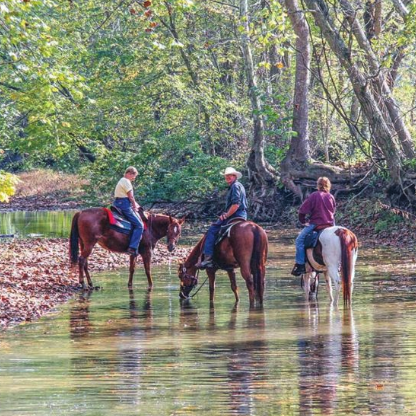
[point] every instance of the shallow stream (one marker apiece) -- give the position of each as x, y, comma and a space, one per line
121, 352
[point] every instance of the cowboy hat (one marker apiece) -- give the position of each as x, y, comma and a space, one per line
232, 171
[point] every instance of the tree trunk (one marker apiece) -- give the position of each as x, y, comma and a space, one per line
299, 151
383, 135
262, 174
383, 90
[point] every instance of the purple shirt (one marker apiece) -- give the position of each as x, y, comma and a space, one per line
320, 206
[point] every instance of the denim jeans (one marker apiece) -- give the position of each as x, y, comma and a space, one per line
212, 234
300, 244
214, 230
136, 223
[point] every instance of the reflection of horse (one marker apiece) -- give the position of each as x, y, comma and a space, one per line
79, 317
245, 247
143, 314
245, 357
337, 247
92, 226
327, 354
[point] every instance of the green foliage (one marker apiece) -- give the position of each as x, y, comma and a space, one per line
387, 221
95, 86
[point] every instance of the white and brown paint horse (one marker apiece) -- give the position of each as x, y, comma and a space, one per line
335, 255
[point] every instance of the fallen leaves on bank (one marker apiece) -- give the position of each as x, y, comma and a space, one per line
35, 275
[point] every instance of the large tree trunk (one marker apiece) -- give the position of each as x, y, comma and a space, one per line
384, 137
262, 174
299, 151
382, 88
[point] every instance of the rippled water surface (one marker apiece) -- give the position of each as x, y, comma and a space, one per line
115, 352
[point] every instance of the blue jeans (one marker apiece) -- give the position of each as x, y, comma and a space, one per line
300, 244
136, 223
214, 230
212, 234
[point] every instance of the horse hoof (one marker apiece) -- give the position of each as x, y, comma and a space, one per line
149, 288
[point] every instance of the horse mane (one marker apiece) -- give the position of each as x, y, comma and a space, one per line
193, 256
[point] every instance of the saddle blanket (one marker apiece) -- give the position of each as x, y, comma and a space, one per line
118, 222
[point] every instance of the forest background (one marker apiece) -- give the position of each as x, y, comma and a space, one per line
285, 91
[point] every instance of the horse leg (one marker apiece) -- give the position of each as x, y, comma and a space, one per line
211, 277
306, 284
147, 258
334, 278
131, 271
246, 273
329, 286
83, 264
260, 281
234, 288
87, 273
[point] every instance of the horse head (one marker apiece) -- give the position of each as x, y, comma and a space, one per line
188, 280
174, 232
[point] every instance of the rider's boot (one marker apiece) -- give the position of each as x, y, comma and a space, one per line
208, 262
298, 269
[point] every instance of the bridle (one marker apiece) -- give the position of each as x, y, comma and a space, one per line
193, 279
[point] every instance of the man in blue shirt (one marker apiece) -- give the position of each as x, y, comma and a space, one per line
235, 206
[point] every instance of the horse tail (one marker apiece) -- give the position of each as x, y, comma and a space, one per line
349, 246
74, 240
258, 258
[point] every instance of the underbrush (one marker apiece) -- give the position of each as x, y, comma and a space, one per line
44, 182
378, 221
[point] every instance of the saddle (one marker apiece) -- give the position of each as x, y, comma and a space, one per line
121, 223
314, 249
226, 229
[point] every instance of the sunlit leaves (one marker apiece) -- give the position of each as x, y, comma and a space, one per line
8, 184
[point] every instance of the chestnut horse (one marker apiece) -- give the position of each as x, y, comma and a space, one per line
245, 247
336, 251
92, 226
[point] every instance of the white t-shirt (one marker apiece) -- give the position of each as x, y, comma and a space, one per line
123, 186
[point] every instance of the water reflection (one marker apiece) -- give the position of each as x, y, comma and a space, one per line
36, 223
327, 355
79, 317
125, 353
244, 358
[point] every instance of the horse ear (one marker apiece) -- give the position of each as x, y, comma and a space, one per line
182, 220
170, 219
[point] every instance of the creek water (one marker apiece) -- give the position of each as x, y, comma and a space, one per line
121, 352
36, 223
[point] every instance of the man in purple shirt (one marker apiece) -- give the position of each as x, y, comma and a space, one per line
319, 207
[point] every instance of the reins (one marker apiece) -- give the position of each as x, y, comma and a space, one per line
197, 273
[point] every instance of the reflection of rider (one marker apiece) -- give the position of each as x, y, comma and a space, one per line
235, 206
320, 209
124, 200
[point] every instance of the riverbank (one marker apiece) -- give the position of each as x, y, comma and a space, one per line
36, 278
43, 189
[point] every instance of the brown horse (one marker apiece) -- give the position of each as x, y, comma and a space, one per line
92, 226
246, 247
